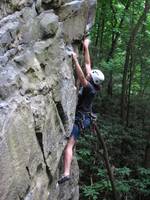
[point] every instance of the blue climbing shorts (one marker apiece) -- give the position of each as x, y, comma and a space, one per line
86, 121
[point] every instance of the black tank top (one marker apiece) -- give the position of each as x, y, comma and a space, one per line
85, 98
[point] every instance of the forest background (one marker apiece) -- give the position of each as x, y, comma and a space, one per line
120, 47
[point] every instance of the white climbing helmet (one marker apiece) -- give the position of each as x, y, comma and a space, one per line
97, 76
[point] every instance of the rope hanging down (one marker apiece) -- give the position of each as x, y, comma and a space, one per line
106, 159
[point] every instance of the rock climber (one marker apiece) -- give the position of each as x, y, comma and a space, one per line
90, 85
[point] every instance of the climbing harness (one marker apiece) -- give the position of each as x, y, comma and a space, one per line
81, 117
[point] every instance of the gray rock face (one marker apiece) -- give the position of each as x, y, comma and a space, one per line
38, 95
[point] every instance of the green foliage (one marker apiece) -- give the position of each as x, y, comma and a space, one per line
90, 191
123, 172
127, 143
126, 153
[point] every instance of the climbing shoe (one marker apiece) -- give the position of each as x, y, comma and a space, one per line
63, 179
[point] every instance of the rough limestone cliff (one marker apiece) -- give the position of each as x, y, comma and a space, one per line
38, 95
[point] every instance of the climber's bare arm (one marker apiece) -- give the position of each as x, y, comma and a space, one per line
79, 71
87, 56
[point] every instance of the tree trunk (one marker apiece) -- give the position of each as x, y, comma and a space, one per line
97, 18
115, 38
147, 156
129, 49
102, 30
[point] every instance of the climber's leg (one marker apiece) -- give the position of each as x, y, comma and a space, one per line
68, 154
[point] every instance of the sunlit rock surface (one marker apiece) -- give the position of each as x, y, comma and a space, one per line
38, 95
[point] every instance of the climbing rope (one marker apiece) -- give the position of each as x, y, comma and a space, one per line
101, 141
